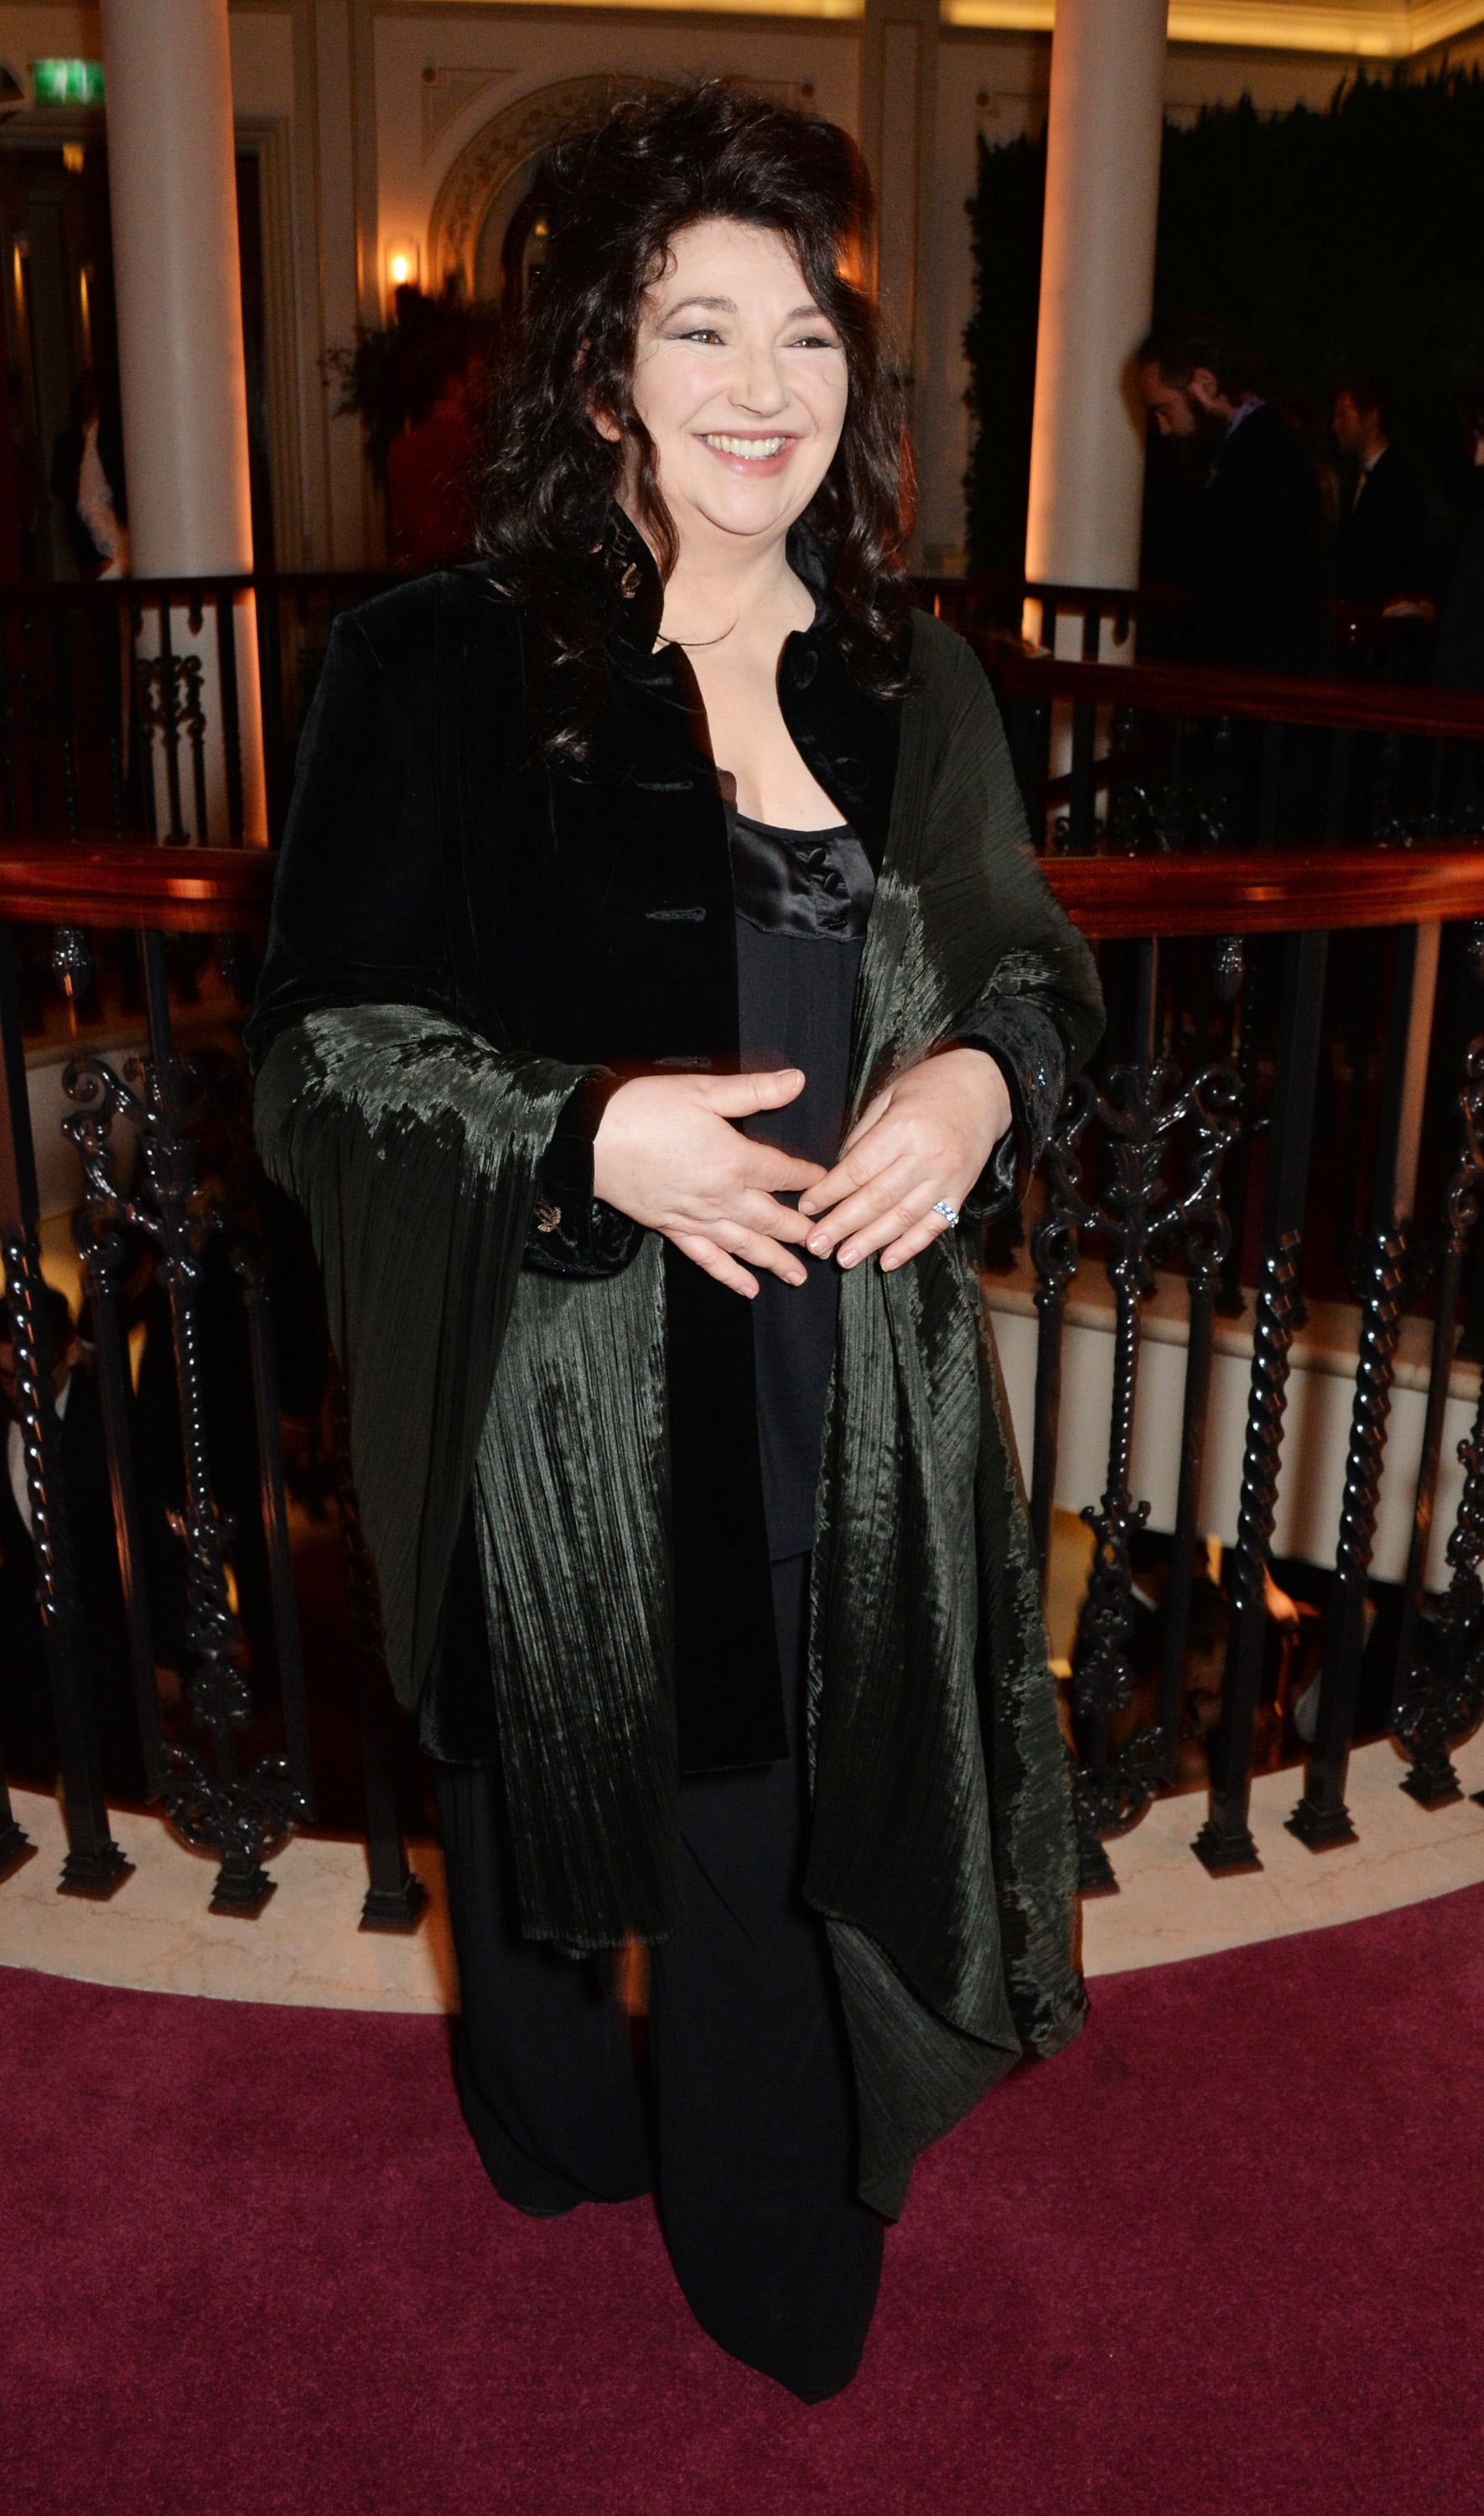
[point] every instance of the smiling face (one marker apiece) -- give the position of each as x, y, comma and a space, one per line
741, 383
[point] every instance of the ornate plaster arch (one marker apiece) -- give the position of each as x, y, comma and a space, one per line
508, 142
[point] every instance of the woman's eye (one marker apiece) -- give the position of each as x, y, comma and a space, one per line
813, 340
704, 332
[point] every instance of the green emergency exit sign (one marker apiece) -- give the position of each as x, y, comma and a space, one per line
55, 82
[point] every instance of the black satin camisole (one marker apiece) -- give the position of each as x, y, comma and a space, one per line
802, 900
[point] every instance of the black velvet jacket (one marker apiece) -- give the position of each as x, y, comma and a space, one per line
431, 859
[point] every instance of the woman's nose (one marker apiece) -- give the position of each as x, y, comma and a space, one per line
759, 388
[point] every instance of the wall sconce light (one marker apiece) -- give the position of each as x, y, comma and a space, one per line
402, 264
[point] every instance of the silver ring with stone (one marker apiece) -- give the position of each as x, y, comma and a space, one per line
949, 1213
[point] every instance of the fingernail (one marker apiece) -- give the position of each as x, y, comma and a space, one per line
847, 1257
818, 1243
795, 1279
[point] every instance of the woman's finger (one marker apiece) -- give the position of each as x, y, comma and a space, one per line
764, 1166
908, 1223
739, 1096
713, 1261
912, 1243
900, 1185
758, 1249
855, 1172
762, 1213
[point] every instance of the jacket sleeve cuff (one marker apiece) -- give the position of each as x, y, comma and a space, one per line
1028, 1047
573, 1233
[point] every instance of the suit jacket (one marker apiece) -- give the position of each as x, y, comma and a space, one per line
1382, 542
1257, 577
464, 944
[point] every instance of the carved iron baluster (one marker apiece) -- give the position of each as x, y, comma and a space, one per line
93, 1864
1054, 1254
1140, 1112
231, 729
240, 1818
101, 1254
1438, 1694
1225, 1842
247, 1263
1204, 1230
107, 630
16, 1845
1321, 1817
193, 719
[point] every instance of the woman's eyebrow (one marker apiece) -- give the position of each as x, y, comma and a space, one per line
728, 306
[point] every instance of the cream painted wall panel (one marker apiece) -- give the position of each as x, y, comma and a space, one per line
541, 47
61, 33
261, 60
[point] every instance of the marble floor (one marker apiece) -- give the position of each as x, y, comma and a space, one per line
157, 1934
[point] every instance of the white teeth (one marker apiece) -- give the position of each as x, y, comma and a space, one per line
753, 450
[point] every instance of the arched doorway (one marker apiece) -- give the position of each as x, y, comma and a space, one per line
484, 227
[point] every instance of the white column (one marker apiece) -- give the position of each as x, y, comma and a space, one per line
1103, 170
172, 187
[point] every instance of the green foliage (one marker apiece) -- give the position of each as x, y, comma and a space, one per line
1350, 238
390, 375
1000, 341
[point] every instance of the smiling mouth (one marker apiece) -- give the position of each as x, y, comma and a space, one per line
748, 449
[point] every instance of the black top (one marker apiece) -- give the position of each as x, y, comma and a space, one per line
802, 898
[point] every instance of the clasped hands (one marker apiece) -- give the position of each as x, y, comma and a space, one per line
667, 1154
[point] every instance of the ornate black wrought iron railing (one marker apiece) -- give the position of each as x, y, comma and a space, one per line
1141, 1178
1162, 759
166, 1182
1222, 974
160, 708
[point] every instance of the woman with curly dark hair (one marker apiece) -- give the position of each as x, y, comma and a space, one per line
659, 988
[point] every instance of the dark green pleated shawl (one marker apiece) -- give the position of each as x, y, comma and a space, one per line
941, 1844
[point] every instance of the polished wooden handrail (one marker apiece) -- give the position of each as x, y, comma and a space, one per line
1268, 894
1208, 690
85, 594
182, 890
214, 891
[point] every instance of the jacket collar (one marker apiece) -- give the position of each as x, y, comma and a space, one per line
633, 569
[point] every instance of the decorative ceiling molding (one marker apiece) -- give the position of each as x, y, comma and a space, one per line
1389, 30
446, 95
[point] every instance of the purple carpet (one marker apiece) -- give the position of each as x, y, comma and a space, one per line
1225, 2255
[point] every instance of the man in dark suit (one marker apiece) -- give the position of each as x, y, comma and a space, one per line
1382, 542
1254, 569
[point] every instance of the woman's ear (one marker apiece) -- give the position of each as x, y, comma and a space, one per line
604, 423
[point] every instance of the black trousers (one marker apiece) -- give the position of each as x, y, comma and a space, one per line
746, 2133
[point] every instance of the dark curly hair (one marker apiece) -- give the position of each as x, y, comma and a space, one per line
614, 194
